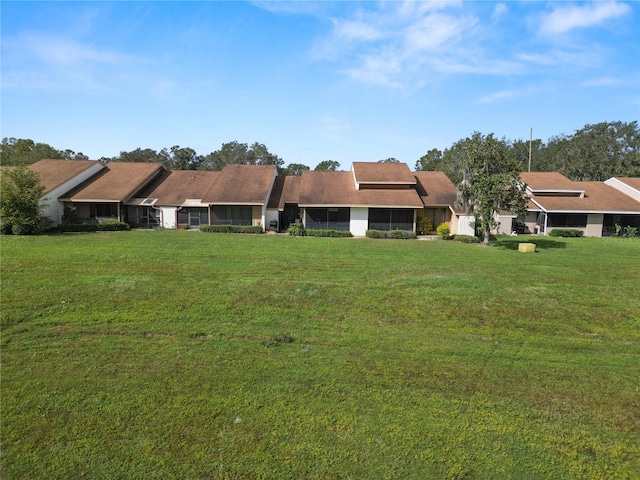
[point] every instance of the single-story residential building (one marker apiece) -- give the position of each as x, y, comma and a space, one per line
593, 207
240, 194
173, 200
104, 195
60, 176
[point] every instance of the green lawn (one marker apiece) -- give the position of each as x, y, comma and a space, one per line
178, 354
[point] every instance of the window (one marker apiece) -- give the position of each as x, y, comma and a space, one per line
232, 215
104, 210
328, 218
611, 220
567, 220
391, 219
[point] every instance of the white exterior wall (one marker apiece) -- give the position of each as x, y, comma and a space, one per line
594, 225
465, 225
168, 217
55, 209
359, 221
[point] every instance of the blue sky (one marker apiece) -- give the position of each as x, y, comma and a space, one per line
345, 81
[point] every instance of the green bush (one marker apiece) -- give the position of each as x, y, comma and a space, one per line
424, 226
105, 226
232, 229
627, 231
466, 239
296, 230
566, 232
444, 231
396, 234
327, 233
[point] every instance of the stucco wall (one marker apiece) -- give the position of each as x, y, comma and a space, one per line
168, 215
594, 225
465, 225
359, 221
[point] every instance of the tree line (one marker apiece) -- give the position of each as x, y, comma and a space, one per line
595, 152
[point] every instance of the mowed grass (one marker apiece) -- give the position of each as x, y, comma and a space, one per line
177, 354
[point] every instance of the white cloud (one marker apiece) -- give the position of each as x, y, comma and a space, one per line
499, 10
498, 96
566, 18
391, 45
604, 82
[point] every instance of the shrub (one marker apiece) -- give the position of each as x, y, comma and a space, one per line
466, 239
566, 232
627, 231
444, 231
250, 229
327, 233
296, 230
105, 226
396, 234
424, 226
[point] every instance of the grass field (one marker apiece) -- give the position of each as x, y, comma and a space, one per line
178, 354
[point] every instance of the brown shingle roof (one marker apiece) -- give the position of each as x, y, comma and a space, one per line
383, 173
286, 189
174, 187
117, 182
54, 173
435, 189
598, 197
548, 181
338, 189
242, 185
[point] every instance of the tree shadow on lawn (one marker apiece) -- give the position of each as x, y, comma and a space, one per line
541, 243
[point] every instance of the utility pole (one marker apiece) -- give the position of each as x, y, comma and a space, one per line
530, 141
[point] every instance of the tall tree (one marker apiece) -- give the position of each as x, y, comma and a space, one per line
20, 151
595, 152
490, 181
327, 166
294, 169
431, 161
20, 206
389, 160
240, 153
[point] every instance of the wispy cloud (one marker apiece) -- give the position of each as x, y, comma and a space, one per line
392, 45
568, 17
498, 96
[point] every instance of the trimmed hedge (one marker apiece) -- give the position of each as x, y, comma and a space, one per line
231, 229
395, 234
95, 227
314, 232
466, 239
566, 232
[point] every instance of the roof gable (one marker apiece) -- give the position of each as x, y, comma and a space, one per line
55, 173
175, 187
117, 182
242, 185
381, 173
330, 189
